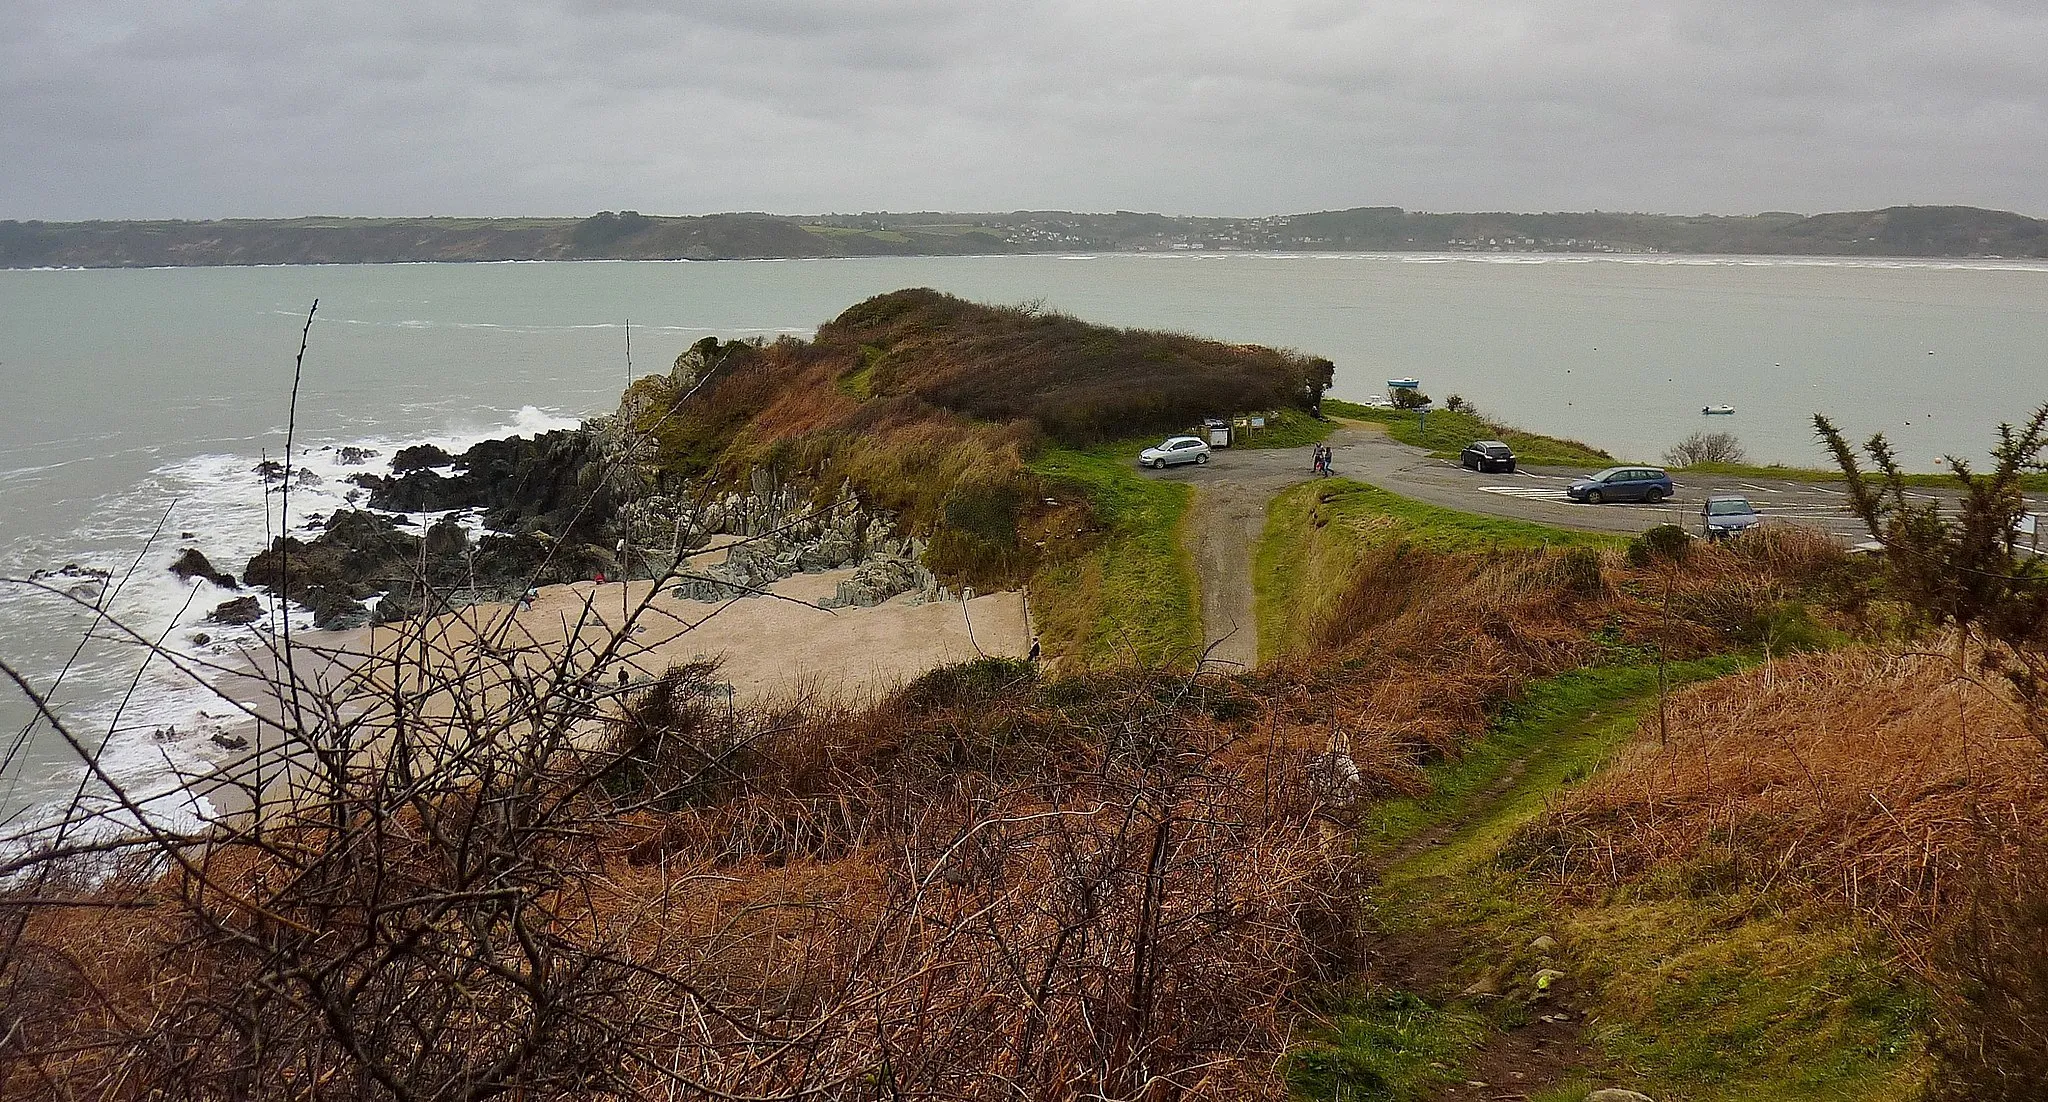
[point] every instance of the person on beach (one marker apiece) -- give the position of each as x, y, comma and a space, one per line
527, 598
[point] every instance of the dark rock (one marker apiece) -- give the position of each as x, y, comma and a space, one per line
192, 563
447, 539
270, 469
520, 483
358, 554
419, 457
241, 610
334, 610
230, 742
200, 639
349, 455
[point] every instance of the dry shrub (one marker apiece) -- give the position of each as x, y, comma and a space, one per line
1851, 776
982, 887
1876, 783
1791, 550
1991, 1024
1419, 648
1082, 383
1422, 646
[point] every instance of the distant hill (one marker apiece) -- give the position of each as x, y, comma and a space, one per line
629, 235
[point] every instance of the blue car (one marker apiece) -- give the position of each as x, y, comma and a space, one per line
1647, 484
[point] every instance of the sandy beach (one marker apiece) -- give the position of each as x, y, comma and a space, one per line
772, 649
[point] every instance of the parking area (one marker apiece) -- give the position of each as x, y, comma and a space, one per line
1531, 493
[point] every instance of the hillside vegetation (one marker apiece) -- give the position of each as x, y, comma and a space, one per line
1507, 812
1946, 231
1003, 435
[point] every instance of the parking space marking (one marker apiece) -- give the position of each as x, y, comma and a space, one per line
1537, 493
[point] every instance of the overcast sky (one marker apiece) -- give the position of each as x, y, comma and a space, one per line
190, 108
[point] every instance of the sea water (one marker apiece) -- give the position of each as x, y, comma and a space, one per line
137, 405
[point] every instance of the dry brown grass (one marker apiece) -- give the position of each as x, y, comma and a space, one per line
983, 887
1858, 777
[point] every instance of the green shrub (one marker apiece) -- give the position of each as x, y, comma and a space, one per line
1664, 543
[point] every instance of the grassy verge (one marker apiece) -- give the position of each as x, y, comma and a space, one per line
1133, 596
1289, 428
2032, 483
1316, 532
1699, 992
1444, 434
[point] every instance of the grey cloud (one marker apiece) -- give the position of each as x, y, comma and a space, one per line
127, 108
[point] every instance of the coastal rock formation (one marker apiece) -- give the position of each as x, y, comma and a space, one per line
550, 483
83, 582
419, 457
240, 611
358, 555
880, 579
783, 535
192, 563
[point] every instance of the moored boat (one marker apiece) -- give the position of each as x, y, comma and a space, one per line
1716, 411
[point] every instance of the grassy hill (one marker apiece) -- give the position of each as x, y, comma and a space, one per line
1002, 434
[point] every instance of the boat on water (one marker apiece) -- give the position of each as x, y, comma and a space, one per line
1716, 411
1404, 384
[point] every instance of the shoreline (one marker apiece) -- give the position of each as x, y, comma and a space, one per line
772, 650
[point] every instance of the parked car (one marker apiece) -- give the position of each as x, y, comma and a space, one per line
1621, 484
1174, 450
1487, 455
1722, 517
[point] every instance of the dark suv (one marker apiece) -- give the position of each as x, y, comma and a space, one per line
1487, 455
1621, 484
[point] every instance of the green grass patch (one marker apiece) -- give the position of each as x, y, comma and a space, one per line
1289, 428
1382, 1044
1444, 434
1133, 596
1316, 533
1693, 991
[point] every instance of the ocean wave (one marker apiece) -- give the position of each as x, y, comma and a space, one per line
150, 714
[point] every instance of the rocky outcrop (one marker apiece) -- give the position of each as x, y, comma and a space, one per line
358, 555
543, 484
419, 457
783, 535
240, 611
85, 583
880, 579
192, 563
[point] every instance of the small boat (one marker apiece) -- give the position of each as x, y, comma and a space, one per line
1403, 384
1717, 411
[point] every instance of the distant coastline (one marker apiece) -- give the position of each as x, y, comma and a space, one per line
1906, 232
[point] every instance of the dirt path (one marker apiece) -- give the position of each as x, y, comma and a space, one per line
1227, 519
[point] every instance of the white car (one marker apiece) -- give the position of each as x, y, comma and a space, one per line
1175, 450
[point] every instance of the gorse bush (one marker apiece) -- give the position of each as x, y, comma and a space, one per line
1080, 383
